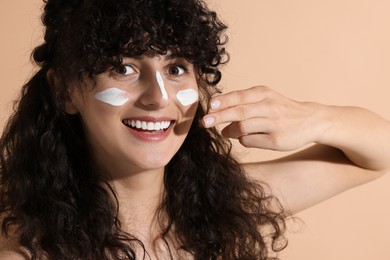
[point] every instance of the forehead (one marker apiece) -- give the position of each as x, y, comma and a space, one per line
155, 54
156, 57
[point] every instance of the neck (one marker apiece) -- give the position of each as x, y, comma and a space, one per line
139, 196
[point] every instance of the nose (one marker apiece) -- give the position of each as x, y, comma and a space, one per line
155, 94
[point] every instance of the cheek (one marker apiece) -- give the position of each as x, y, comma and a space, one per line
184, 124
186, 100
113, 96
187, 97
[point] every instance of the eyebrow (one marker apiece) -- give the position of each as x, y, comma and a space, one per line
168, 56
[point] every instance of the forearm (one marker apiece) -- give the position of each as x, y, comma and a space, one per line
310, 176
363, 136
353, 144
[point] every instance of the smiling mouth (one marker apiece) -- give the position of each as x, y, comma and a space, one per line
147, 126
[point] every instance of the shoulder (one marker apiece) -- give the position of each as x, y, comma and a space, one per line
11, 250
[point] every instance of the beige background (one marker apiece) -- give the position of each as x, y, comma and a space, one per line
334, 52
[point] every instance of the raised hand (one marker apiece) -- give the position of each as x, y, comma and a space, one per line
260, 117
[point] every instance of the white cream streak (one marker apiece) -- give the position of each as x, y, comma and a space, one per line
160, 82
187, 97
113, 96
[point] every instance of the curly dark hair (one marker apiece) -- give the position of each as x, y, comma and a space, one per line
51, 195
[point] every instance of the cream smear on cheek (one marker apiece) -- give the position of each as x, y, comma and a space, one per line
113, 96
187, 97
160, 82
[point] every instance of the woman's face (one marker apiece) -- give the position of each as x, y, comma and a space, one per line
137, 116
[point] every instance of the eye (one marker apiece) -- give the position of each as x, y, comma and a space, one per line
125, 70
176, 70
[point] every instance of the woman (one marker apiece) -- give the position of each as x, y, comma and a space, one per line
110, 153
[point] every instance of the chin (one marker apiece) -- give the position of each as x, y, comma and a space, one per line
152, 162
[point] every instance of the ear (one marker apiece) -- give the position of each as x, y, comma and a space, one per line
69, 106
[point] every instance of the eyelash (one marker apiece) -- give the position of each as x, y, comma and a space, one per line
123, 66
116, 71
179, 66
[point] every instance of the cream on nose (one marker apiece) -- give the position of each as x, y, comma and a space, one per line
161, 85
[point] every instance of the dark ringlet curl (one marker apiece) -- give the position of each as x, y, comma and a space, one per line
52, 197
90, 36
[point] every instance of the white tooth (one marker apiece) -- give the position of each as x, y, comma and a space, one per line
144, 125
150, 126
138, 124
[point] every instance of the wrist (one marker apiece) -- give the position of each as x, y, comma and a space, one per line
322, 122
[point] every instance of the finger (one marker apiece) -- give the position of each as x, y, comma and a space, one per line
265, 141
240, 97
251, 126
237, 113
261, 140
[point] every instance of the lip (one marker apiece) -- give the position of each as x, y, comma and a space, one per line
151, 136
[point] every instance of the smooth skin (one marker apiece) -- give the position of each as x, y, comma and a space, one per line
346, 152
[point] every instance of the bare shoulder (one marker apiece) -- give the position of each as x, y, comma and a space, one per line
11, 250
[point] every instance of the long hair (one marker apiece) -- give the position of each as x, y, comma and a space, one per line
52, 197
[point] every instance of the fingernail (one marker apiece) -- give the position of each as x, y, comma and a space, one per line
209, 120
215, 104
